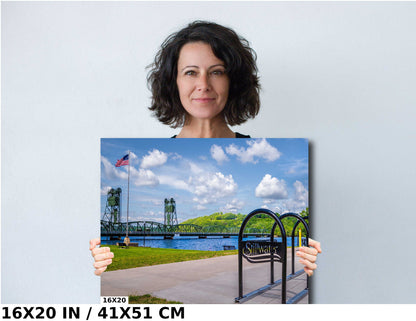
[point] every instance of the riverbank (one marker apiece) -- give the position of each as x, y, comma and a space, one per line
133, 257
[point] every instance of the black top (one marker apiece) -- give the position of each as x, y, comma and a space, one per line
237, 135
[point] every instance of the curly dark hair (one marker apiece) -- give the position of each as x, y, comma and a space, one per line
240, 66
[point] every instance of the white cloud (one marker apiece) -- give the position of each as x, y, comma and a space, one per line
210, 187
194, 168
153, 159
105, 189
271, 188
301, 193
201, 200
110, 171
133, 159
233, 207
291, 170
148, 216
175, 156
257, 149
153, 201
300, 200
296, 203
200, 207
174, 182
300, 167
218, 154
293, 205
143, 177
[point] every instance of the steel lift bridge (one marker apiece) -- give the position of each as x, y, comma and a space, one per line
112, 227
113, 206
170, 217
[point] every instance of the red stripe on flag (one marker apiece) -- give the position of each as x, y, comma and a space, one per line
122, 162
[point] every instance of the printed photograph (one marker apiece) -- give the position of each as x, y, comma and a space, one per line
205, 220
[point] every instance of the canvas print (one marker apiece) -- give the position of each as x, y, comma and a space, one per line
205, 220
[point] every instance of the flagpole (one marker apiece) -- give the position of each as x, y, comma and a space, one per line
128, 193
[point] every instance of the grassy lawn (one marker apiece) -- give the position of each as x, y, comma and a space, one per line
148, 299
146, 256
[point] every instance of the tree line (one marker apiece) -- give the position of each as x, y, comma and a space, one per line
261, 222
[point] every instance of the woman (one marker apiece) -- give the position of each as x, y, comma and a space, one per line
204, 79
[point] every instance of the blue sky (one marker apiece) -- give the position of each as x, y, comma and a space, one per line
205, 176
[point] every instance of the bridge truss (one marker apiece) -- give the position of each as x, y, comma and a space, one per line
149, 228
109, 228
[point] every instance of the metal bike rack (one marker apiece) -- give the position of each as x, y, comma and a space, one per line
269, 251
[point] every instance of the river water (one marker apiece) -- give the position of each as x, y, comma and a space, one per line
190, 243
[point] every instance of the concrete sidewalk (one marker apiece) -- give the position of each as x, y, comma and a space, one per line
213, 280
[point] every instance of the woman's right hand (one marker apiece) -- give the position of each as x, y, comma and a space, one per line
102, 256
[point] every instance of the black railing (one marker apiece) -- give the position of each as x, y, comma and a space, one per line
264, 251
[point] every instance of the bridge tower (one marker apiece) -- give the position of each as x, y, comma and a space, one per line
170, 212
113, 207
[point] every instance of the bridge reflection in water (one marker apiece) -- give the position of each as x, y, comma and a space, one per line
148, 228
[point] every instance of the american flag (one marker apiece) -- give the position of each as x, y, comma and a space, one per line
123, 161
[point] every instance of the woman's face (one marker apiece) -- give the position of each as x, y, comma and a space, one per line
202, 82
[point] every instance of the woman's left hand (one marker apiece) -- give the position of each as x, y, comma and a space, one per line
308, 256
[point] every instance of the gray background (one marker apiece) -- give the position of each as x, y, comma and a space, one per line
340, 74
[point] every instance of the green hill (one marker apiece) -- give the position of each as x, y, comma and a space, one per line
232, 222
